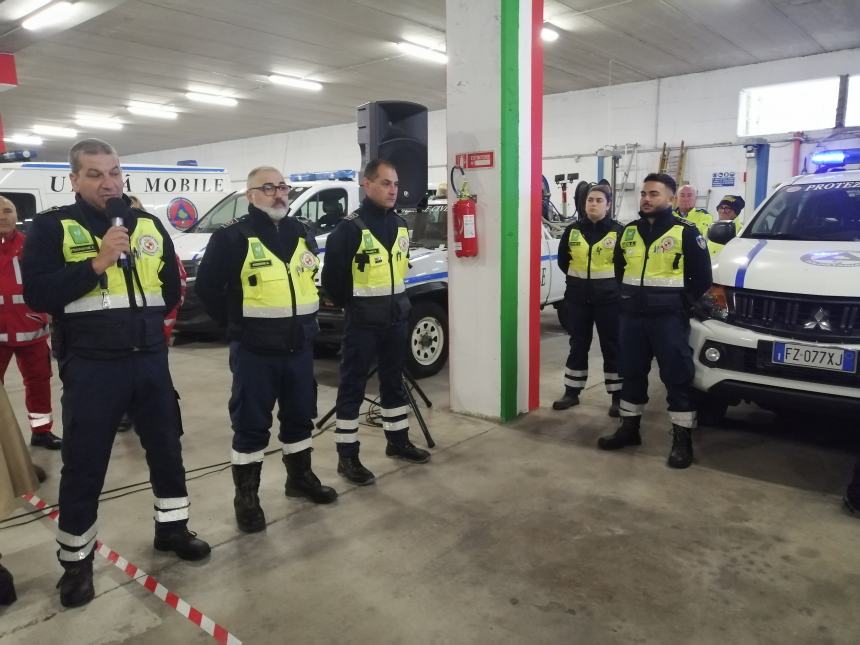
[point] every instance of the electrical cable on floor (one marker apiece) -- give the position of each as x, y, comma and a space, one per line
139, 487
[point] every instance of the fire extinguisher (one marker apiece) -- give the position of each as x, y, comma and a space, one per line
465, 224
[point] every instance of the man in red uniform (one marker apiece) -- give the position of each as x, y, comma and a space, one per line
24, 333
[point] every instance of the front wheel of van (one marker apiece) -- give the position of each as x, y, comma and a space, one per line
428, 339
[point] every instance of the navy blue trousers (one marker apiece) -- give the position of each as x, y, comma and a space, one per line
581, 319
362, 349
666, 337
96, 394
259, 381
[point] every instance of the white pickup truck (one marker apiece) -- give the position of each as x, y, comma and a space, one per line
781, 325
426, 282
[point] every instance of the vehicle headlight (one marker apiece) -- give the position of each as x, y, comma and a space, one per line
714, 304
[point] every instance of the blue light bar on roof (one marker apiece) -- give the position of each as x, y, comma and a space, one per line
336, 175
828, 157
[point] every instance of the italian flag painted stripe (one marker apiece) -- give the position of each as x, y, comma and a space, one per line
520, 166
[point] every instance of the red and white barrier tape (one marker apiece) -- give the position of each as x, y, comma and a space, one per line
149, 583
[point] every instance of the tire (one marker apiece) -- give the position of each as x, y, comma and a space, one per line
428, 339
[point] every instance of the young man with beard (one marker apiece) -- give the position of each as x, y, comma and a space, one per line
664, 267
257, 279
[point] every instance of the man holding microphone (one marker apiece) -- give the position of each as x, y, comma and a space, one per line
107, 285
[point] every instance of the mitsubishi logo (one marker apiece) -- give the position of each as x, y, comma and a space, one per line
819, 319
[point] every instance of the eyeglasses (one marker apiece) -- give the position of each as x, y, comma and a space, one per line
271, 189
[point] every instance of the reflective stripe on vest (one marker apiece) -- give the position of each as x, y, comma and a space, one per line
593, 262
661, 265
384, 271
146, 242
273, 289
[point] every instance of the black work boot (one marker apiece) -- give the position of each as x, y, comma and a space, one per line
568, 400
626, 435
681, 455
46, 440
76, 585
615, 406
353, 470
181, 541
302, 482
246, 503
407, 452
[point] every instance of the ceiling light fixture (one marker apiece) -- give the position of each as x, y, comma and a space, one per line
214, 99
50, 16
19, 9
291, 81
54, 131
548, 34
151, 109
425, 53
24, 140
98, 123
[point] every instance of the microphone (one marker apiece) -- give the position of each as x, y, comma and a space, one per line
117, 210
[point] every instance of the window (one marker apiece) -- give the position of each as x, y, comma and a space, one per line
227, 209
325, 209
821, 212
788, 107
25, 205
852, 109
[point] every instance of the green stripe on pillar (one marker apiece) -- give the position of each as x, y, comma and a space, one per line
510, 168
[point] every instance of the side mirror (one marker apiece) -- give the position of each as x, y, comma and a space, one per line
721, 232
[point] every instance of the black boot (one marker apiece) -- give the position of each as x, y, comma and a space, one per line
46, 440
76, 585
354, 471
407, 452
181, 541
626, 435
615, 406
681, 455
301, 481
246, 503
570, 399
7, 587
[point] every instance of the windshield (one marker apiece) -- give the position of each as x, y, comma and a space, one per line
428, 227
230, 208
820, 212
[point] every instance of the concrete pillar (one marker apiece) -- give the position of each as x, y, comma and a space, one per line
495, 104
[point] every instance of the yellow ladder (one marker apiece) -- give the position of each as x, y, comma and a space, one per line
674, 162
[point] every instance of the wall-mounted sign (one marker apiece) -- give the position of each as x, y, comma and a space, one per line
475, 160
722, 179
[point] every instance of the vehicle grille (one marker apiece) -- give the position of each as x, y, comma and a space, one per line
190, 267
794, 316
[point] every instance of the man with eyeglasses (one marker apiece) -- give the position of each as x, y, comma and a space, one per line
367, 257
257, 279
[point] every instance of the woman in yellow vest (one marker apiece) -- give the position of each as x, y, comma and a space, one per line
585, 255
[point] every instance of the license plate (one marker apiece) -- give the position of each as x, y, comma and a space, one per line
822, 358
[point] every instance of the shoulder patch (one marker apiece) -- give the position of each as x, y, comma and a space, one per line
353, 215
233, 221
701, 242
54, 211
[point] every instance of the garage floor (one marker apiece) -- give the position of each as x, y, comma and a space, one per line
516, 533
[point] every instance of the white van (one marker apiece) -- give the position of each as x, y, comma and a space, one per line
177, 195
781, 325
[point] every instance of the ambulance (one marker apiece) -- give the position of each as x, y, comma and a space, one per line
177, 195
781, 325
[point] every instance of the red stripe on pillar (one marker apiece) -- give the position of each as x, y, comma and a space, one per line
535, 242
